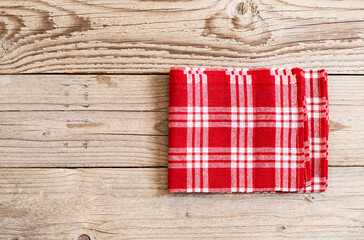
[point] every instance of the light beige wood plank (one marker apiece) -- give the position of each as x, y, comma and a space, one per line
116, 151
84, 92
113, 138
80, 125
134, 204
138, 36
122, 92
48, 132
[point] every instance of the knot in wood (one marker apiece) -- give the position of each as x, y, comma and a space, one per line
241, 8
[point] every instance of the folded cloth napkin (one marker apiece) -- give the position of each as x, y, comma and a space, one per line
247, 130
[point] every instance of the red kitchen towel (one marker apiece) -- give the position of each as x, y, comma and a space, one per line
247, 130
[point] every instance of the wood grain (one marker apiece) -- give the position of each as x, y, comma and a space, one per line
103, 139
136, 36
84, 157
85, 92
122, 92
134, 204
121, 121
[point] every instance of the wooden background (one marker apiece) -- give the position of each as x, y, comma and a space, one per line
83, 116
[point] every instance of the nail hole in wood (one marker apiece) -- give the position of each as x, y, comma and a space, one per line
84, 237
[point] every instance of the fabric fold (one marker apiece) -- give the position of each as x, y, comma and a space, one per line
247, 130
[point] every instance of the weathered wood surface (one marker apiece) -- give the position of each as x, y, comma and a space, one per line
53, 128
123, 92
138, 36
104, 121
89, 92
134, 204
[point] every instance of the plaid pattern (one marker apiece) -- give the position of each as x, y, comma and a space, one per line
247, 130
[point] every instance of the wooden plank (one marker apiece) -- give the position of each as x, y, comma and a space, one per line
137, 36
85, 92
112, 138
122, 92
116, 151
134, 204
123, 121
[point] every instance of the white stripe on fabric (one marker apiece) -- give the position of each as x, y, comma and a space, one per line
227, 164
286, 138
293, 140
233, 116
234, 109
219, 150
189, 129
288, 158
241, 161
278, 124
234, 125
197, 138
249, 140
205, 134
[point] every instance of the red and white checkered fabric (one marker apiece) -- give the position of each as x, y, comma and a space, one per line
247, 130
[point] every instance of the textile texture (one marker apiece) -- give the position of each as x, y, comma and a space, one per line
247, 130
